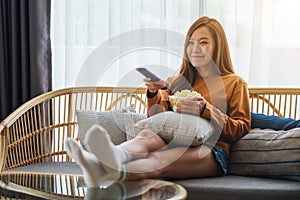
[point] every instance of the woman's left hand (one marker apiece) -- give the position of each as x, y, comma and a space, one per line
194, 106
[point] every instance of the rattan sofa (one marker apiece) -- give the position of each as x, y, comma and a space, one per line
32, 137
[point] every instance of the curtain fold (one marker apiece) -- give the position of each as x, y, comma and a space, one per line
25, 52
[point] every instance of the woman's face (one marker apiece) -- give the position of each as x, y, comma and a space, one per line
200, 47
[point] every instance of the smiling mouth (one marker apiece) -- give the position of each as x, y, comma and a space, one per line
197, 57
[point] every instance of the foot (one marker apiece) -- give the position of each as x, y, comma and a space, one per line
92, 170
112, 157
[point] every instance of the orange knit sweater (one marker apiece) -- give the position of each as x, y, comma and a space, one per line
227, 107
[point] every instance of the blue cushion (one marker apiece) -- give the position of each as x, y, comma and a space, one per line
263, 121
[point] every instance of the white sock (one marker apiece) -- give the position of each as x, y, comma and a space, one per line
92, 170
111, 156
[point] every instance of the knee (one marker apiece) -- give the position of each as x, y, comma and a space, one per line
149, 135
146, 134
148, 141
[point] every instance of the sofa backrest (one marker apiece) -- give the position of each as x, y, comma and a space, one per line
283, 102
35, 132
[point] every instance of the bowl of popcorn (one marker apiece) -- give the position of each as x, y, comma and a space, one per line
183, 94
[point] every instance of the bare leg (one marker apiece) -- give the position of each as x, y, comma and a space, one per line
192, 162
181, 162
145, 142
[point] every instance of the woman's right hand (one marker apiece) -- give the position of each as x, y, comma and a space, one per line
153, 87
193, 106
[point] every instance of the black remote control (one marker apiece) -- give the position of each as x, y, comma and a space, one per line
148, 74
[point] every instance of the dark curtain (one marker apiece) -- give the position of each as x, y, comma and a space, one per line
25, 52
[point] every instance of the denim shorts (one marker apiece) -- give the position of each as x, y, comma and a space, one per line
220, 156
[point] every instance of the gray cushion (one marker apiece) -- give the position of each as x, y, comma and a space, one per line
49, 167
112, 121
240, 188
267, 153
216, 188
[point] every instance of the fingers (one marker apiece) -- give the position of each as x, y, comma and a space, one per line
193, 106
154, 86
146, 80
158, 83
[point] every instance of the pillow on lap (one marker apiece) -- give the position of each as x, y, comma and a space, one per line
129, 122
112, 121
174, 128
267, 153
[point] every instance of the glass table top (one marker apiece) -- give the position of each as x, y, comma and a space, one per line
60, 186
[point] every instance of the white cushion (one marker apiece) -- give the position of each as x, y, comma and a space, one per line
175, 128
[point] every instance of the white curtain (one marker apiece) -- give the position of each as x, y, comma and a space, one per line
275, 43
102, 41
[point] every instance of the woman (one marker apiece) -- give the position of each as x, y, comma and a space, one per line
207, 69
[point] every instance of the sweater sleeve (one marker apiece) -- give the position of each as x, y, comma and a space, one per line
236, 122
158, 103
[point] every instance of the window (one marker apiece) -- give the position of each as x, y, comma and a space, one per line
262, 34
83, 28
